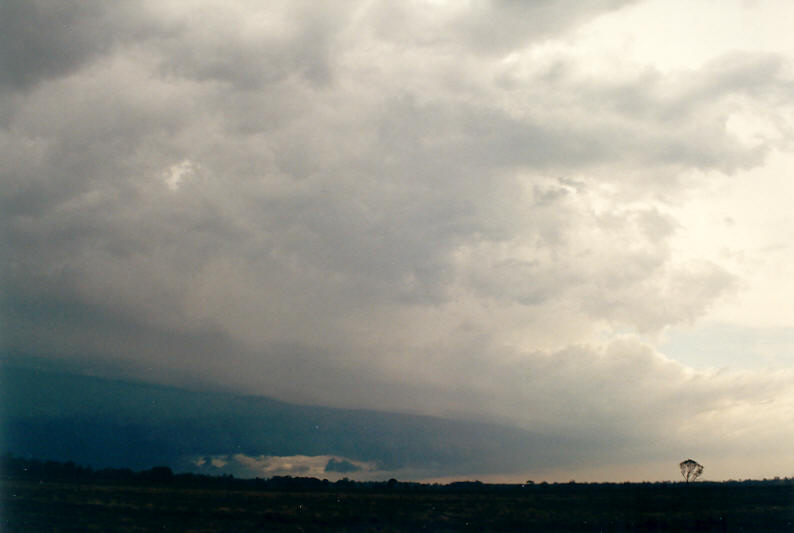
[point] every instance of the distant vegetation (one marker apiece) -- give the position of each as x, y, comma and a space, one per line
20, 468
63, 496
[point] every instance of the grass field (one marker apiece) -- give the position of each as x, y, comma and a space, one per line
30, 506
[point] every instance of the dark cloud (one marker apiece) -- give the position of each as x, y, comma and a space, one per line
120, 423
41, 40
343, 466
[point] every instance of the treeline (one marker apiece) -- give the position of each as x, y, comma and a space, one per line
20, 468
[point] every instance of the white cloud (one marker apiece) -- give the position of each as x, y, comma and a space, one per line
176, 173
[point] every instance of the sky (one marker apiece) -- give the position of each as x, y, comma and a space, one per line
570, 217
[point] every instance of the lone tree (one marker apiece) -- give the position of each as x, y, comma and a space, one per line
691, 470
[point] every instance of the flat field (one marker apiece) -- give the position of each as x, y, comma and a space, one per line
31, 506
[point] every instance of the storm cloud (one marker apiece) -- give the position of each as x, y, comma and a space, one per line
423, 207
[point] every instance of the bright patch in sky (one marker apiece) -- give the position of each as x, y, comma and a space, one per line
670, 35
176, 173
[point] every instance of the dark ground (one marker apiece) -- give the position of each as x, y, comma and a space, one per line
49, 506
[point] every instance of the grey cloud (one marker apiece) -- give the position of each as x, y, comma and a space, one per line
685, 104
681, 94
627, 397
41, 40
351, 214
507, 24
382, 218
755, 74
253, 48
490, 27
